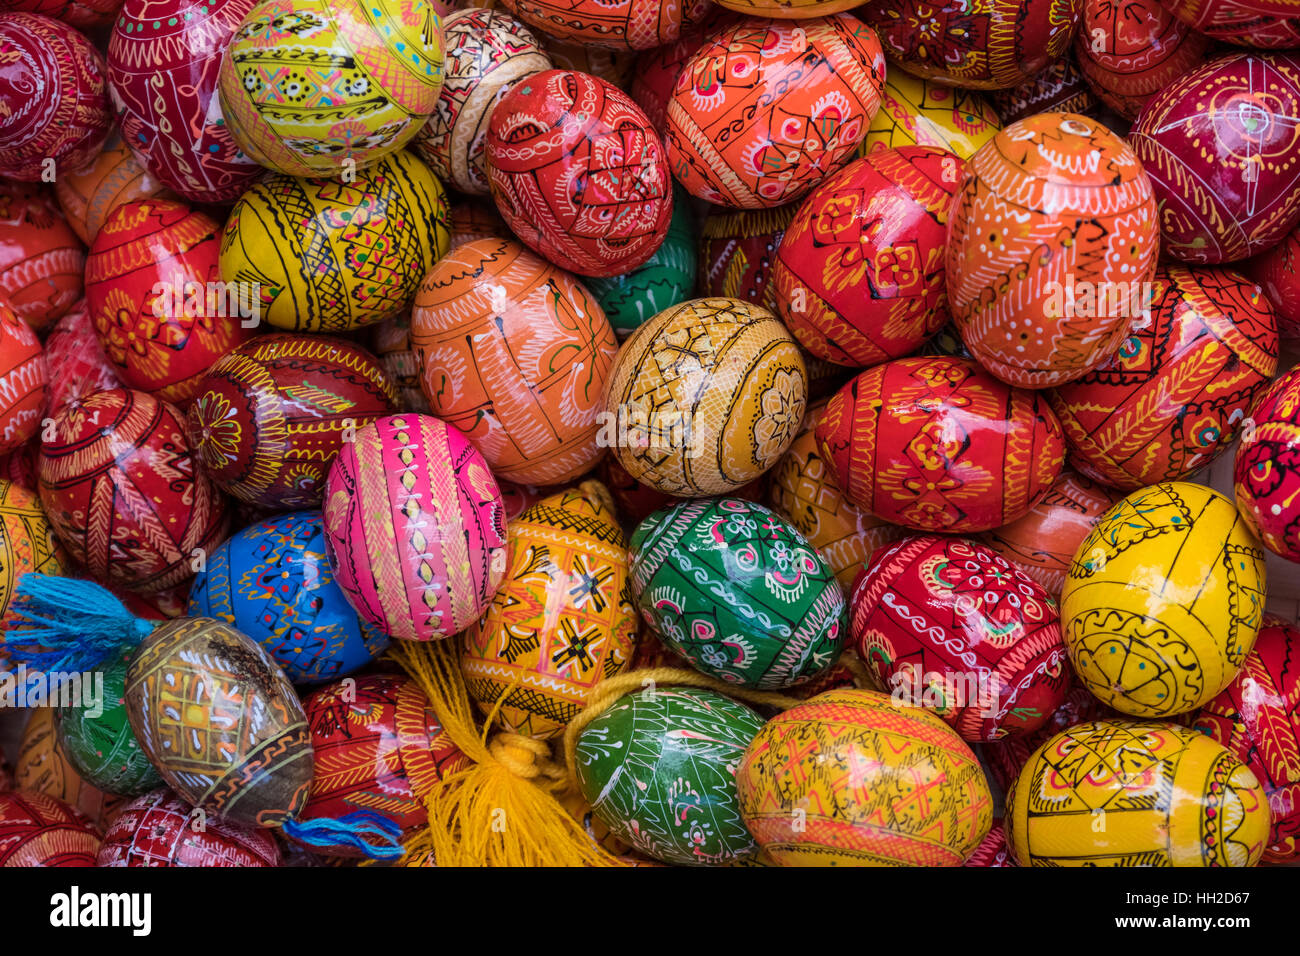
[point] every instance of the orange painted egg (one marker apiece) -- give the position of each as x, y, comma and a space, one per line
115, 177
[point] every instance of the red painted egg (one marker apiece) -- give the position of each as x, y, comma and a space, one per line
1175, 394
123, 493
163, 60
82, 14
766, 109
19, 466
578, 173
738, 251
1256, 719
24, 375
53, 98
1129, 50
615, 24
1051, 249
1278, 272
1267, 470
271, 415
1059, 88
161, 829
378, 747
859, 275
41, 259
1220, 146
77, 363
938, 444
1271, 24
155, 294
36, 830
975, 44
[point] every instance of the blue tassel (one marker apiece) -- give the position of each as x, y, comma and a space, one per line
63, 624
351, 830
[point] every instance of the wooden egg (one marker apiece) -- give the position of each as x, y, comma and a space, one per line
38, 830
766, 109
115, 177
1278, 273
1178, 389
151, 288
379, 748
1168, 796
1057, 88
77, 363
562, 620
614, 24
1271, 24
659, 770
42, 263
952, 626
938, 444
1163, 600
274, 582
851, 778
487, 52
329, 256
1051, 249
163, 61
415, 527
271, 415
578, 173
161, 829
739, 593
1254, 718
917, 112
705, 397
27, 541
859, 275
321, 87
975, 44
1222, 157
516, 354
1266, 474
122, 491
738, 252
54, 110
41, 767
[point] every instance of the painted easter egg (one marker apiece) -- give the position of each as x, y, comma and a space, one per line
1221, 157
472, 219
516, 354
220, 721
1271, 24
82, 14
271, 415
613, 66
917, 112
1254, 718
668, 277
415, 527
155, 297
562, 620
38, 830
657, 68
329, 255
738, 252
1043, 542
487, 52
76, 360
1163, 600
765, 109
659, 770
1129, 50
856, 762
42, 263
1176, 392
705, 397
390, 342
952, 626
378, 748
615, 24
101, 747
578, 173
120, 487
27, 541
115, 177
1058, 88
319, 87
273, 581
54, 110
739, 593
1278, 272
1127, 770
24, 375
859, 274
42, 767
1266, 474
1051, 249
803, 492
161, 829
936, 443
974, 44
163, 61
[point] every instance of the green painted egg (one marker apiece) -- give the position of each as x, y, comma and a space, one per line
659, 770
738, 592
101, 746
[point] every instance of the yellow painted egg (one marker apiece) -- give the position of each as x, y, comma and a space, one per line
27, 541
1128, 793
914, 111
1163, 600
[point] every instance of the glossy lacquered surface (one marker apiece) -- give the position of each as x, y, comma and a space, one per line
38, 830
42, 262
1266, 473
917, 112
24, 376
161, 829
